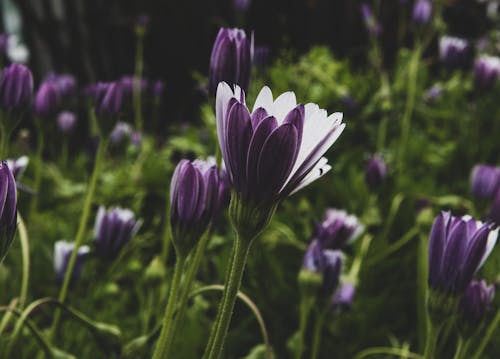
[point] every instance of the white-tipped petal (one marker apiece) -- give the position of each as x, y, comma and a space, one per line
98, 220
492, 239
264, 99
319, 170
285, 103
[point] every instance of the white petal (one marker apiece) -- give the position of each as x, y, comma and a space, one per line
282, 105
318, 171
264, 99
98, 220
492, 239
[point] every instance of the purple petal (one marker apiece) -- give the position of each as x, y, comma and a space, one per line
475, 252
454, 254
436, 246
257, 116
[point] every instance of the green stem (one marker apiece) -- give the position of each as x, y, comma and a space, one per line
318, 326
166, 331
387, 351
231, 287
38, 168
487, 337
462, 345
186, 283
166, 242
433, 331
81, 232
4, 139
421, 292
410, 104
306, 304
139, 65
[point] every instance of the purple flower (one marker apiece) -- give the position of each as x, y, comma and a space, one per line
113, 229
458, 247
326, 262
193, 199
486, 72
16, 87
62, 254
46, 100
434, 92
66, 121
109, 99
474, 305
422, 11
277, 149
231, 59
371, 22
454, 52
376, 171
338, 229
136, 138
8, 209
241, 6
158, 88
485, 180
343, 297
18, 166
65, 83
121, 132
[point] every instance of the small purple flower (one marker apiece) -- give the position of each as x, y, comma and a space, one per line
474, 305
434, 93
343, 297
66, 121
454, 52
275, 150
485, 181
46, 100
458, 247
18, 166
113, 229
371, 22
231, 59
121, 132
376, 171
193, 199
422, 11
486, 72
66, 84
62, 254
109, 99
16, 87
338, 229
8, 209
326, 262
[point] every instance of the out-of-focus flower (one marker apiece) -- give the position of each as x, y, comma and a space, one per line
109, 99
474, 305
16, 51
136, 138
16, 88
486, 72
458, 247
46, 100
371, 22
261, 55
231, 59
454, 52
241, 6
18, 166
8, 209
65, 84
128, 82
193, 198
274, 151
376, 171
338, 229
66, 121
62, 254
121, 132
113, 229
158, 88
434, 93
422, 11
343, 297
485, 180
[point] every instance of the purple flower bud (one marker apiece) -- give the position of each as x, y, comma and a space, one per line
231, 59
433, 93
338, 229
458, 247
136, 138
343, 297
193, 198
376, 171
62, 254
495, 209
66, 84
241, 6
46, 100
4, 42
111, 103
326, 262
121, 132
474, 305
422, 11
485, 180
454, 52
371, 22
8, 209
66, 121
486, 72
158, 88
16, 87
18, 166
113, 229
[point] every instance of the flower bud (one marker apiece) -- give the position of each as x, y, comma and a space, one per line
370, 21
241, 6
109, 105
454, 52
422, 11
66, 121
376, 171
343, 297
231, 59
62, 254
474, 305
121, 132
485, 180
338, 229
113, 229
16, 88
46, 100
486, 72
158, 88
193, 197
8, 209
